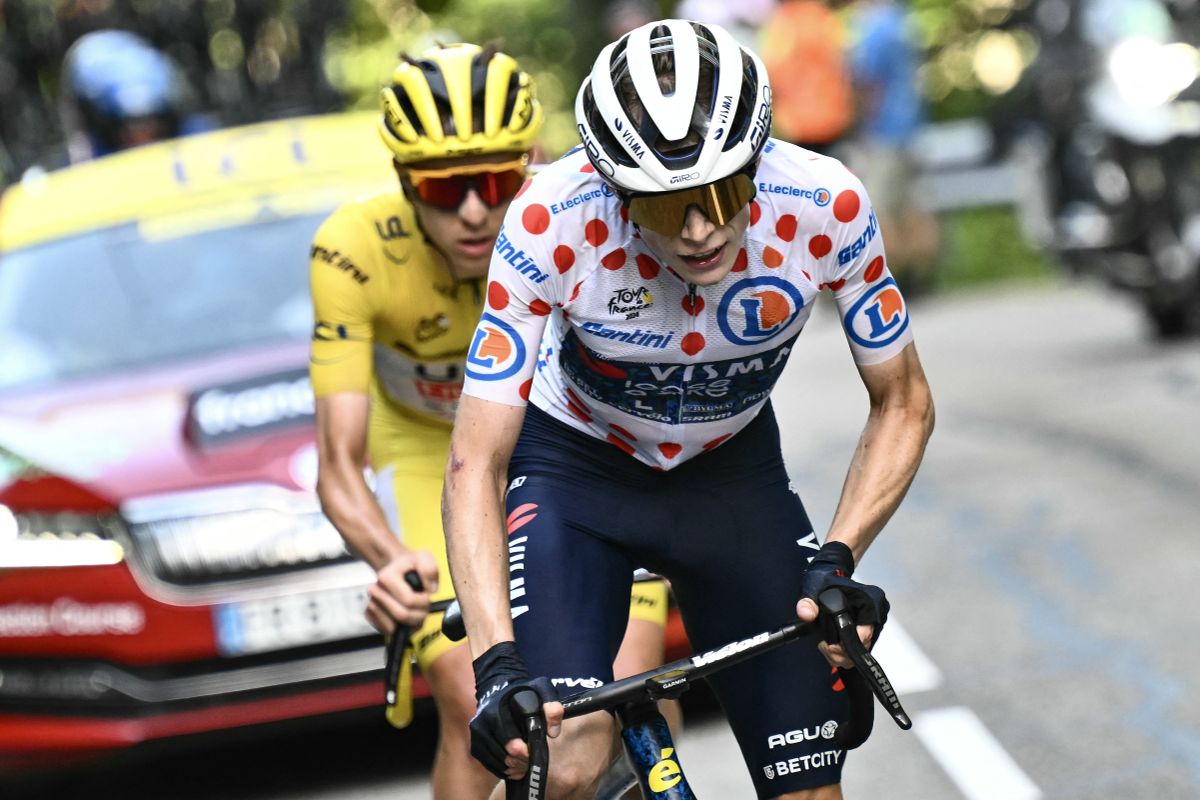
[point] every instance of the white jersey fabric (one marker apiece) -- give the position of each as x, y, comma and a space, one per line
584, 322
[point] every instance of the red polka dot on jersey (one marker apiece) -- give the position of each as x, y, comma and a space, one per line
596, 232
623, 445
692, 343
670, 449
739, 263
786, 226
717, 441
647, 266
536, 218
525, 389
524, 186
624, 213
834, 285
575, 291
807, 275
540, 307
772, 257
564, 258
820, 245
874, 270
497, 296
693, 305
614, 260
755, 212
845, 207
587, 167
622, 431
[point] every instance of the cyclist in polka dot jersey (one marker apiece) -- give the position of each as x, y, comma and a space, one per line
643, 298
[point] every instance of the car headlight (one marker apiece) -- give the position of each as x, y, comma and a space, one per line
56, 539
1149, 74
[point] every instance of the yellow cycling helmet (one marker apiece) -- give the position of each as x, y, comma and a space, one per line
458, 100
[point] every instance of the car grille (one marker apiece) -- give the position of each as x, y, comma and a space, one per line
230, 534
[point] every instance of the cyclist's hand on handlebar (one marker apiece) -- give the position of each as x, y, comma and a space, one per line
392, 601
832, 568
495, 738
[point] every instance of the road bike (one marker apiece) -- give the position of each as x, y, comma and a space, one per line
651, 757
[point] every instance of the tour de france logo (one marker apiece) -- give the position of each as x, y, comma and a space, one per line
879, 316
496, 352
755, 310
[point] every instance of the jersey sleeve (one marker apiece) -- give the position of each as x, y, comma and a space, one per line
872, 309
527, 279
340, 356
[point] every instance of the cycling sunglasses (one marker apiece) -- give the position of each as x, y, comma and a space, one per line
447, 188
720, 201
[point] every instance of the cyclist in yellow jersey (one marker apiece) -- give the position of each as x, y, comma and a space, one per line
397, 288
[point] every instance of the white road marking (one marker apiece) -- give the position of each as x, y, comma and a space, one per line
971, 756
908, 668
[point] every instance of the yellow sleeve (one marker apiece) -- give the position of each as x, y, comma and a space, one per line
340, 280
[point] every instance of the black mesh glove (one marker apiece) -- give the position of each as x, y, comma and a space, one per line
832, 567
498, 673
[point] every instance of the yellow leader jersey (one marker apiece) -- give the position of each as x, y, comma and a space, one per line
391, 322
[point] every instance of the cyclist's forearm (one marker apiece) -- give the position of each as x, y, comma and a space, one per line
884, 463
473, 518
349, 504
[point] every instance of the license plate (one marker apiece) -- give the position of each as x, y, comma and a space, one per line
293, 620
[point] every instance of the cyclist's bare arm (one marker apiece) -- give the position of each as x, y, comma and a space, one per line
485, 434
885, 462
889, 450
342, 421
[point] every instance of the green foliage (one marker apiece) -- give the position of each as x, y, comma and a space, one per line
984, 246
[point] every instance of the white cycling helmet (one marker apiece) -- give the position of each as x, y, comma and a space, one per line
685, 137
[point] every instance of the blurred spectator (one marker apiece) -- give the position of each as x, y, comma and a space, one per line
743, 18
884, 63
119, 92
804, 52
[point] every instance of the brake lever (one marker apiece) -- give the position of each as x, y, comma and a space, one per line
834, 601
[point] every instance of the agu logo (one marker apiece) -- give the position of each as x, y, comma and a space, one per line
879, 317
496, 351
757, 309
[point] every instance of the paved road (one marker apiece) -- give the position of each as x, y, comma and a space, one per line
1042, 571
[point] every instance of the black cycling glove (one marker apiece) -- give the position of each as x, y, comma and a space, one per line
498, 673
832, 567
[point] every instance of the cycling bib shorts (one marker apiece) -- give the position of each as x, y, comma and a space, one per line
732, 538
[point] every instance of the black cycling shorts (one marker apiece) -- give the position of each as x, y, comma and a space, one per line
728, 532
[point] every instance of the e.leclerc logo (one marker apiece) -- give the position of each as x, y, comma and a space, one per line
757, 309
879, 317
496, 353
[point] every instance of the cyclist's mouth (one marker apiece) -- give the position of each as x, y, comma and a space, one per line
477, 247
704, 261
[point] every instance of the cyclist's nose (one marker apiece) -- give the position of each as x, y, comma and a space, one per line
696, 226
472, 210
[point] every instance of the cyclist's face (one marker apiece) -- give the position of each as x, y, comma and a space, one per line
467, 233
702, 252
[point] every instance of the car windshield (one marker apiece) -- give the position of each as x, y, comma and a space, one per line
111, 299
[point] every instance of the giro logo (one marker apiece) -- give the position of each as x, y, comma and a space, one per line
593, 151
757, 309
496, 351
879, 317
691, 176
